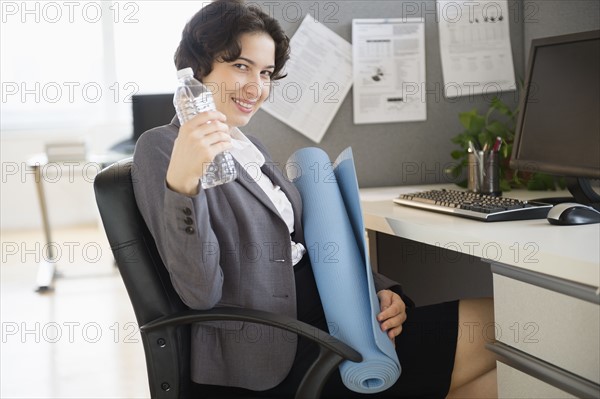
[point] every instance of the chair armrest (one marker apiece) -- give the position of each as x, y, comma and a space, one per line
256, 316
331, 350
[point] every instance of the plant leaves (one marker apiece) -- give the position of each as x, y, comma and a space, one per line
541, 181
457, 154
472, 121
484, 138
504, 185
484, 128
504, 149
455, 170
462, 139
497, 128
465, 118
500, 106
477, 124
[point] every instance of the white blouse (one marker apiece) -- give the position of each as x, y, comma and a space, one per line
250, 157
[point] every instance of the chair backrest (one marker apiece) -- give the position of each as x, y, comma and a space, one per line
146, 280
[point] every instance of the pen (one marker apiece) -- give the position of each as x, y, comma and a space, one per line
497, 144
478, 157
472, 147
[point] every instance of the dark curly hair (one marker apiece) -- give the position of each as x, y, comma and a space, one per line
213, 34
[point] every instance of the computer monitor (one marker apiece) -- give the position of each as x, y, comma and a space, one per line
558, 127
149, 111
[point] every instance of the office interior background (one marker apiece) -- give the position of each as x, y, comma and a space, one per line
68, 70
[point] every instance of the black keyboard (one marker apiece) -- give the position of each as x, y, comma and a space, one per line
482, 207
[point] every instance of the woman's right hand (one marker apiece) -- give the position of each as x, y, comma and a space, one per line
199, 140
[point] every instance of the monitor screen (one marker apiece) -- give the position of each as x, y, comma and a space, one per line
558, 128
151, 110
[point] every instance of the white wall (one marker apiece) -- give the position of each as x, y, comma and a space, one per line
50, 53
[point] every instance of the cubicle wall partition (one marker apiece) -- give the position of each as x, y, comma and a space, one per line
389, 154
386, 154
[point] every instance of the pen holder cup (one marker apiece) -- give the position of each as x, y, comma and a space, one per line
483, 173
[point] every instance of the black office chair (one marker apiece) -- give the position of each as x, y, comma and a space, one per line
163, 318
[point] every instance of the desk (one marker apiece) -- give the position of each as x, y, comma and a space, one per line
37, 163
545, 284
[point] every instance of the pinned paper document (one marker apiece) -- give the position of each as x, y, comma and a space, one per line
319, 75
389, 70
475, 47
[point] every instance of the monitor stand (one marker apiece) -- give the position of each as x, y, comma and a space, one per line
585, 191
554, 200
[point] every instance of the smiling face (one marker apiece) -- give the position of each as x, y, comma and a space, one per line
241, 86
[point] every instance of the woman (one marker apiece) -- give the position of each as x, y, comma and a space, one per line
242, 244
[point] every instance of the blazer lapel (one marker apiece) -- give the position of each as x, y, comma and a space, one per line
272, 172
248, 182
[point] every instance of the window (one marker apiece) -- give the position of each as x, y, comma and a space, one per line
76, 63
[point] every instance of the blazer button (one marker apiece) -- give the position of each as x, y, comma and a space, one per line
190, 230
188, 220
187, 211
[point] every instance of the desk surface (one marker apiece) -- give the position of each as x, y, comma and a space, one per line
568, 252
106, 158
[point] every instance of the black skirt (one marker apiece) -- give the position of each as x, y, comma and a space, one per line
425, 348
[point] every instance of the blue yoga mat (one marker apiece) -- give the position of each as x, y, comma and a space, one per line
334, 235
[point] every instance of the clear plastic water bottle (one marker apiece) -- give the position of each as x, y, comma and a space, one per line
191, 98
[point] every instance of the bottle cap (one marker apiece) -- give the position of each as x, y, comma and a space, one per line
185, 72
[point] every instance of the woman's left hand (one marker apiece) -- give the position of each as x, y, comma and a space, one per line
393, 313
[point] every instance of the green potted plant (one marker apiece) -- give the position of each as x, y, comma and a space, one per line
499, 121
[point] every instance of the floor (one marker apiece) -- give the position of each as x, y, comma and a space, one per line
77, 340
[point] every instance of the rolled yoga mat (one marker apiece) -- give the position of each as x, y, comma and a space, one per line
335, 241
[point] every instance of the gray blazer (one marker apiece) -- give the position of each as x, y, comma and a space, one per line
227, 246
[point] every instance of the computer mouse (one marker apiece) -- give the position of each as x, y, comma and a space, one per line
571, 213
